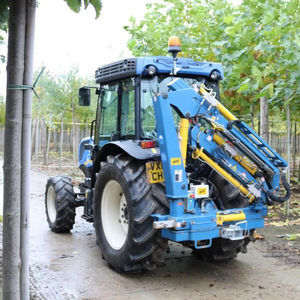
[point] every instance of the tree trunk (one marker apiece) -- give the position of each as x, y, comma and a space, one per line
73, 137
48, 141
294, 148
86, 130
288, 144
41, 135
33, 127
12, 151
55, 141
252, 115
264, 120
26, 148
37, 134
61, 141
299, 172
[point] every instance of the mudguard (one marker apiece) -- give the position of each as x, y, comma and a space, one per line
131, 147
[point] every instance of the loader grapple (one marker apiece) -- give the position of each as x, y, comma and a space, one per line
231, 148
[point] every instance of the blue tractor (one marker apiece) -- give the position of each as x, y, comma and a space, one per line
167, 161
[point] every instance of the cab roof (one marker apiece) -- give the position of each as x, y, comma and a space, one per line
136, 66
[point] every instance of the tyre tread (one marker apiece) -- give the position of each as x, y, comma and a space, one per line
147, 247
65, 216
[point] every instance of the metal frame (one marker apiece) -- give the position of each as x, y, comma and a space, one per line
190, 219
202, 224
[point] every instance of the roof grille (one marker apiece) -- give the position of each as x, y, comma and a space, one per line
115, 71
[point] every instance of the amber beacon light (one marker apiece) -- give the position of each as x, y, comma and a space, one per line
174, 45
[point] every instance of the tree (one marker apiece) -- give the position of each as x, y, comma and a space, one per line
17, 135
3, 24
257, 42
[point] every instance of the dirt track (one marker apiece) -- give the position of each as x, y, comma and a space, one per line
69, 266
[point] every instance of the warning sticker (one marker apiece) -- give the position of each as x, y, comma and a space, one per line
175, 161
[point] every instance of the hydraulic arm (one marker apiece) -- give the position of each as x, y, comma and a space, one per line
212, 134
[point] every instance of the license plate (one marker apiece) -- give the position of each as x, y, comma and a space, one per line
154, 172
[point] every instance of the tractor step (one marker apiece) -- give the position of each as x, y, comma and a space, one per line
89, 219
79, 200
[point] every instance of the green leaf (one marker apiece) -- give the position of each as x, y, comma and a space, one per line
271, 90
244, 87
255, 72
292, 237
75, 5
228, 19
86, 3
97, 5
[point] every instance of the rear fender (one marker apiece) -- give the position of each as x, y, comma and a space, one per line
130, 147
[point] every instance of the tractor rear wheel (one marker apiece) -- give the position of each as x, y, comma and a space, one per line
225, 249
59, 203
123, 204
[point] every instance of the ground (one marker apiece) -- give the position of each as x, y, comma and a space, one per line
70, 266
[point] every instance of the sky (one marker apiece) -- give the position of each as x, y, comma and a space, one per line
64, 39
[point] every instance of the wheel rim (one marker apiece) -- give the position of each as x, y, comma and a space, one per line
114, 214
51, 207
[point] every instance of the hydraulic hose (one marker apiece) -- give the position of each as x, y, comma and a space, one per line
287, 189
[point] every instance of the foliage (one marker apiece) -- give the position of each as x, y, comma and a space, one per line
257, 42
76, 5
57, 94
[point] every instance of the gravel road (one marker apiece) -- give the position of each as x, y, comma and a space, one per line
70, 266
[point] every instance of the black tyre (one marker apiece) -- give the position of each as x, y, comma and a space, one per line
229, 195
59, 202
225, 249
123, 204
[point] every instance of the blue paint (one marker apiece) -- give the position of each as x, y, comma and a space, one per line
84, 155
164, 65
174, 173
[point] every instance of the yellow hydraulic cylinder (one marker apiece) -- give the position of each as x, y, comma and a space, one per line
225, 112
221, 218
238, 158
200, 154
184, 131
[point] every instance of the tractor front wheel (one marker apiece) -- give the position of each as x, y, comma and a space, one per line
59, 203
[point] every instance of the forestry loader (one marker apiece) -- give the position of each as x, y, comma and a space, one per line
166, 160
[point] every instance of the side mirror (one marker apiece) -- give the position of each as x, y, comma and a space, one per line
84, 96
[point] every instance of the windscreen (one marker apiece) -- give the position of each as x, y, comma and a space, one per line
150, 87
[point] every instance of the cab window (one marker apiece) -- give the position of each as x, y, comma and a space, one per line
117, 113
